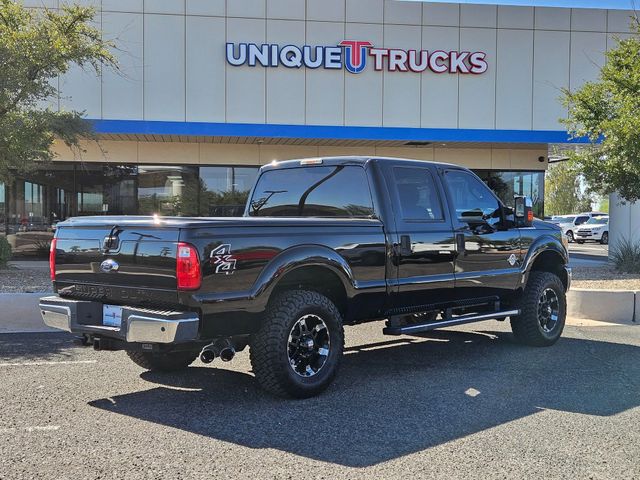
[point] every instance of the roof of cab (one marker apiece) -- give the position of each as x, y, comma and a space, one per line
349, 160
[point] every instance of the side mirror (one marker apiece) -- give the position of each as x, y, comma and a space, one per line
523, 211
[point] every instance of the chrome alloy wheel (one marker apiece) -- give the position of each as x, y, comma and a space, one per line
548, 310
308, 345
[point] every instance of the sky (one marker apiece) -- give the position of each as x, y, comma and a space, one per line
610, 4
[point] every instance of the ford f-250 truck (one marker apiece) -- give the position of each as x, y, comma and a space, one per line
323, 243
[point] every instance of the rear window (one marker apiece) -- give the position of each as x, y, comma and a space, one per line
336, 191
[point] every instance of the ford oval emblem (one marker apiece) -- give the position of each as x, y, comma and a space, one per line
109, 266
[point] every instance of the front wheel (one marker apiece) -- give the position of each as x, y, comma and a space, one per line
298, 348
605, 238
543, 311
579, 242
570, 237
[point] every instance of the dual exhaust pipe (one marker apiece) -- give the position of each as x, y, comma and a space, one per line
222, 348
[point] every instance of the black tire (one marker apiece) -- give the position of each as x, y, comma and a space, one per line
580, 242
535, 325
163, 362
570, 236
604, 240
276, 348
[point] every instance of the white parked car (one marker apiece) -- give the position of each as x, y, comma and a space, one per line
596, 229
569, 223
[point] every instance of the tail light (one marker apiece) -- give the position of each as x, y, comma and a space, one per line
188, 271
52, 259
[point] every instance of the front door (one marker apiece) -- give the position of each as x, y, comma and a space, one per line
488, 258
424, 245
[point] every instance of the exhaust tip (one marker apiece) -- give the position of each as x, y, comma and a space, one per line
227, 354
207, 356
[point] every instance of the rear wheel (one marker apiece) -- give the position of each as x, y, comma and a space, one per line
543, 311
163, 362
605, 238
298, 348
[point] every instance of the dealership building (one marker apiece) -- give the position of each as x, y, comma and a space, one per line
210, 90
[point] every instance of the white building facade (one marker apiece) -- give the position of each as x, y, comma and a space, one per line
209, 90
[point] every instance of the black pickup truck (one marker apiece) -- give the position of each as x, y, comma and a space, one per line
323, 243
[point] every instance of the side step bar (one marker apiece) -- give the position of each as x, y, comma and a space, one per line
462, 319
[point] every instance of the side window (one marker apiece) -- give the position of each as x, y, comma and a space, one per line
471, 198
417, 194
581, 220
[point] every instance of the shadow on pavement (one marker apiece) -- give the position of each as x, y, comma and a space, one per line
396, 397
36, 347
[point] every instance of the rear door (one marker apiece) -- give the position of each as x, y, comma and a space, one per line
488, 258
424, 248
137, 264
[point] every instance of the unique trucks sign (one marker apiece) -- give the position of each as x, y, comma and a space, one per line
352, 55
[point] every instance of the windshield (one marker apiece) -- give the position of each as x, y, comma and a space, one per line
598, 221
566, 219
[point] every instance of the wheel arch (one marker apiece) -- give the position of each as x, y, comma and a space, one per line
308, 267
547, 254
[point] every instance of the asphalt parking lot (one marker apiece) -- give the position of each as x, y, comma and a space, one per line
589, 254
461, 403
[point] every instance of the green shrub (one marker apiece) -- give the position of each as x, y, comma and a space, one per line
5, 251
625, 254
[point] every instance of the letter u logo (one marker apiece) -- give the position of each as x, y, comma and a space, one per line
355, 58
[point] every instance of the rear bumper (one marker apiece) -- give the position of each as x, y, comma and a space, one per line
139, 325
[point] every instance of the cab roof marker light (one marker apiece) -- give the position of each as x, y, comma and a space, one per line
311, 161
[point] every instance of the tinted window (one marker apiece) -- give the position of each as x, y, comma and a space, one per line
581, 220
340, 191
471, 198
417, 194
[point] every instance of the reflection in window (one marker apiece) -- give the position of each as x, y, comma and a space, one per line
471, 198
339, 191
417, 194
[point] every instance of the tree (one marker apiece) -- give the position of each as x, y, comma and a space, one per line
607, 112
36, 46
563, 191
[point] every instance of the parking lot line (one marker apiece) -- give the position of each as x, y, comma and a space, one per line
37, 364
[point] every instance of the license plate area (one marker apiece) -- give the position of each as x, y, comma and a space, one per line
111, 315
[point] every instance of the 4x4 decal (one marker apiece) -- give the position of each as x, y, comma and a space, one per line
222, 259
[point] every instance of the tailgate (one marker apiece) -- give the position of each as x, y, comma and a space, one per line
139, 266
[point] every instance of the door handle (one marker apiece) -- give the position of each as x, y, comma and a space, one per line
405, 245
460, 243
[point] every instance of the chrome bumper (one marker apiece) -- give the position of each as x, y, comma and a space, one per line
138, 325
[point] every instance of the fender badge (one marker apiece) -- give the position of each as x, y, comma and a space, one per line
512, 259
222, 259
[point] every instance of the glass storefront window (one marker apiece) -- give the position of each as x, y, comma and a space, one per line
166, 190
507, 184
224, 190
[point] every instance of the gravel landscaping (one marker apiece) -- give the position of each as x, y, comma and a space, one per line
36, 280
24, 280
605, 278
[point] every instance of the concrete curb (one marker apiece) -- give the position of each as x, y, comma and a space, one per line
19, 313
614, 306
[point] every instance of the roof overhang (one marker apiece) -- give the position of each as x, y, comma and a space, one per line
148, 130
